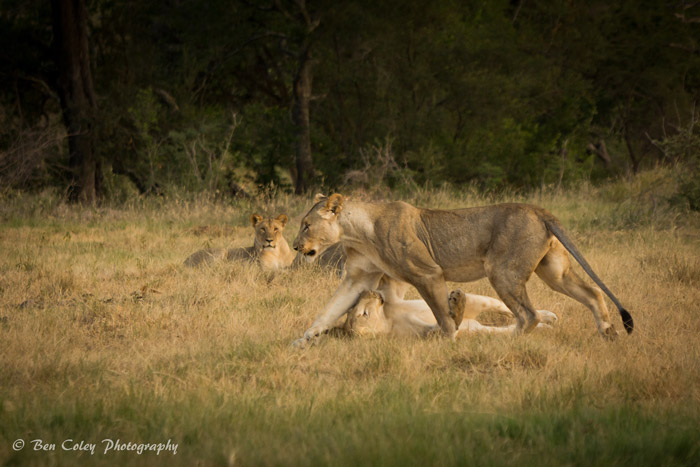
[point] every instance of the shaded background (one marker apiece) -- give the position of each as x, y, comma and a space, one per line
109, 98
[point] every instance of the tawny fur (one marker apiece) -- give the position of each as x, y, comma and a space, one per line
270, 249
372, 315
424, 247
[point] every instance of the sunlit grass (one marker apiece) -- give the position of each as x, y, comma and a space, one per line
105, 335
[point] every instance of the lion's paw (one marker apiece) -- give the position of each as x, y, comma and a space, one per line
547, 317
610, 333
300, 343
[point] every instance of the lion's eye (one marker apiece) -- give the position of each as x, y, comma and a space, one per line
276, 229
306, 227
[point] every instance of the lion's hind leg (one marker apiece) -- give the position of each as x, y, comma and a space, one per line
477, 304
555, 270
474, 305
469, 326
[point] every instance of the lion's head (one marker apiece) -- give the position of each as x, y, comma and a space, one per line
268, 232
367, 316
319, 228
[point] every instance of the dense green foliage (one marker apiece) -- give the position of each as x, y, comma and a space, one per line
198, 95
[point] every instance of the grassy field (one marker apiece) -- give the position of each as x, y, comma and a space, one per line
104, 335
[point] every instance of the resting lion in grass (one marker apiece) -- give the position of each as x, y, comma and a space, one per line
270, 249
372, 315
426, 247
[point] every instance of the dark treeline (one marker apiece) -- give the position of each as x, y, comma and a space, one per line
218, 94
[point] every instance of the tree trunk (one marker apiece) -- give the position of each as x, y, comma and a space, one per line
300, 115
630, 150
77, 97
600, 149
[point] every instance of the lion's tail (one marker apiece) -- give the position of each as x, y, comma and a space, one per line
554, 227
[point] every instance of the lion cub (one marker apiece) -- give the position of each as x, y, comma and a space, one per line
373, 316
269, 248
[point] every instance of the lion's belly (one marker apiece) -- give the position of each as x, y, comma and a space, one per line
411, 318
465, 273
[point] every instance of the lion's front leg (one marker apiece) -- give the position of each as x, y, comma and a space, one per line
434, 292
343, 299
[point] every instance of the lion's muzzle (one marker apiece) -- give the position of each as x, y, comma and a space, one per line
310, 253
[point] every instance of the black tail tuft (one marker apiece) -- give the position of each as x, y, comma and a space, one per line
627, 320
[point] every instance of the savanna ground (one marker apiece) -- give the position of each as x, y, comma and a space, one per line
105, 335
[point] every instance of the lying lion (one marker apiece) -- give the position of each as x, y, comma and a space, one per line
372, 315
270, 249
426, 248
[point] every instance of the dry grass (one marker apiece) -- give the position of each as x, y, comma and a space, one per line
103, 334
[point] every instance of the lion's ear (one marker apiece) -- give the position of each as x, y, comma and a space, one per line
283, 219
319, 197
255, 218
335, 203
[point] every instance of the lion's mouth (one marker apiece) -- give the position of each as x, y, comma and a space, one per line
268, 247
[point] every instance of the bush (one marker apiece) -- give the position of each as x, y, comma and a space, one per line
684, 148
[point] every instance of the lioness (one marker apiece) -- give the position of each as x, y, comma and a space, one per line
269, 248
426, 247
372, 315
